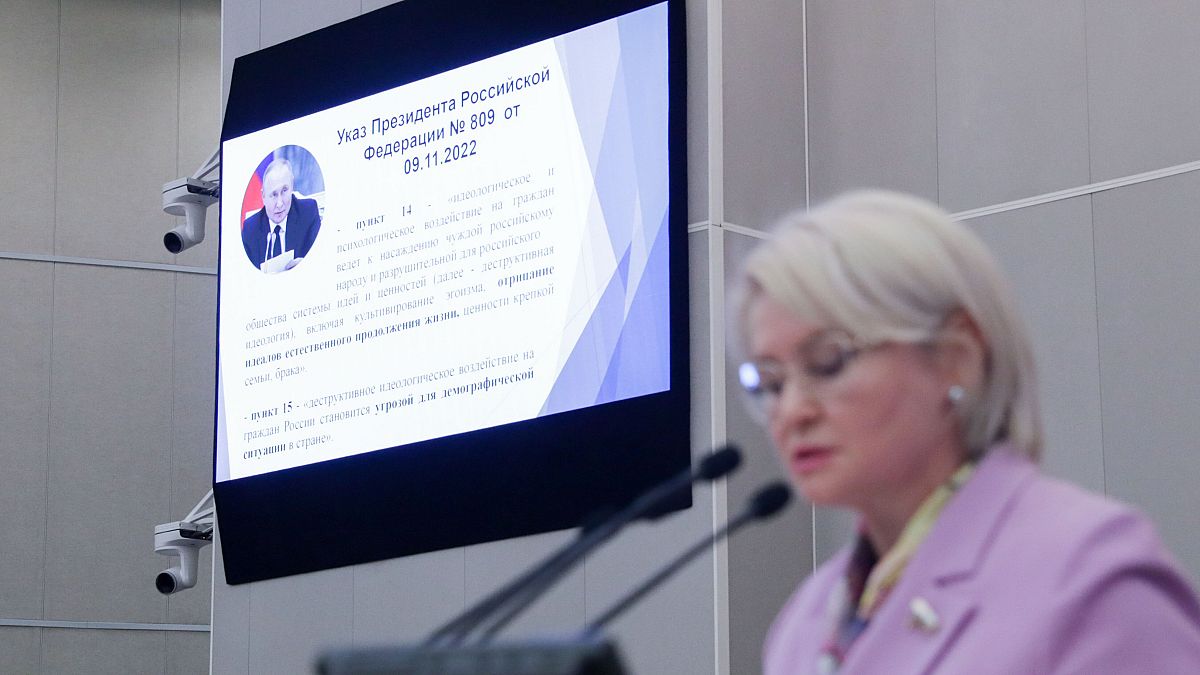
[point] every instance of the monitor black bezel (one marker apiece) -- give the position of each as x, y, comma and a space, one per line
528, 477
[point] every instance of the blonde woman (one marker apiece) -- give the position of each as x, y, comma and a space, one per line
895, 378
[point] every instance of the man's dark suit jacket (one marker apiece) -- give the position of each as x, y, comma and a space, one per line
303, 221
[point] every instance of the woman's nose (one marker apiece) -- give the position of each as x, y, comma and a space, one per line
797, 405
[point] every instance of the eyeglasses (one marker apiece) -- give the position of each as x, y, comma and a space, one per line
818, 362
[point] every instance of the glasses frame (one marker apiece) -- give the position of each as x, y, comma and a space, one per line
814, 381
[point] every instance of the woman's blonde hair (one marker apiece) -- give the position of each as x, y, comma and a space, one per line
891, 267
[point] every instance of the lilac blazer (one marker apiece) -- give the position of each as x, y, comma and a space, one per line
1021, 574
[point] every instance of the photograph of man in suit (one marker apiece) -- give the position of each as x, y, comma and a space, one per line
285, 223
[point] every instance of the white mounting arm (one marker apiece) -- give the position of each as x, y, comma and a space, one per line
202, 514
211, 164
190, 197
184, 538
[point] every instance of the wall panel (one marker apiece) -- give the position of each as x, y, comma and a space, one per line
199, 109
92, 128
29, 80
231, 620
87, 652
1047, 253
491, 565
110, 443
1143, 85
763, 116
1148, 302
193, 387
117, 127
187, 653
697, 111
294, 619
671, 630
240, 35
768, 560
1011, 100
405, 599
872, 112
25, 333
20, 650
281, 20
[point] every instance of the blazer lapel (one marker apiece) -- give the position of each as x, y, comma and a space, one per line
913, 633
934, 602
260, 237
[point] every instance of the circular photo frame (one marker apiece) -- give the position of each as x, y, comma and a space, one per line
282, 209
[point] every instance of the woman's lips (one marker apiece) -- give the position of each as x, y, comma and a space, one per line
810, 459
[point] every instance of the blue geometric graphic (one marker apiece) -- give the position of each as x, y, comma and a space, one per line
620, 102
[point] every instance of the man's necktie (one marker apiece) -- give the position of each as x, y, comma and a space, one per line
277, 247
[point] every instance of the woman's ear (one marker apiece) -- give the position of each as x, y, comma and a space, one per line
962, 352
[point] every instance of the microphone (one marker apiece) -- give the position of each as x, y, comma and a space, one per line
528, 587
765, 503
649, 505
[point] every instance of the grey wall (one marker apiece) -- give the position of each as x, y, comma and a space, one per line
103, 369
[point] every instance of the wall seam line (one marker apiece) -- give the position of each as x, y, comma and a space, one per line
937, 127
171, 508
212, 595
1069, 193
804, 77
1087, 94
50, 350
57, 130
720, 488
716, 248
175, 295
107, 625
178, 102
1099, 359
105, 262
812, 521
1037, 200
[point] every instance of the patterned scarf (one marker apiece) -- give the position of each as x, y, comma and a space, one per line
870, 579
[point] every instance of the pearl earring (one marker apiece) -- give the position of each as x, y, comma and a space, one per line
956, 394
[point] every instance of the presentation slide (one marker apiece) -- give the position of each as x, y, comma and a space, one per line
481, 247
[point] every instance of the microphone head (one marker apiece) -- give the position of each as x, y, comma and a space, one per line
769, 500
719, 463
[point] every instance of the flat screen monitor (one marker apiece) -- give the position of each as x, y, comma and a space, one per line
453, 286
